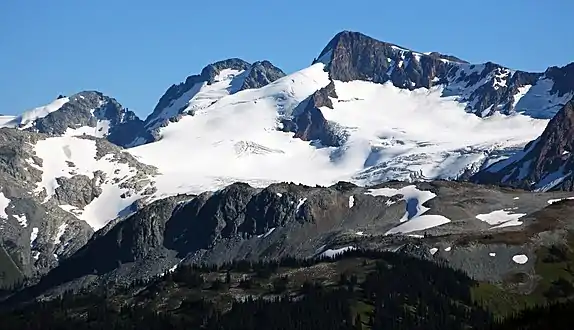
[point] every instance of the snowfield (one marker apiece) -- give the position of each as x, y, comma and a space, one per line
393, 134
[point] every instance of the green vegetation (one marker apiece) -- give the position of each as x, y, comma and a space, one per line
358, 290
10, 275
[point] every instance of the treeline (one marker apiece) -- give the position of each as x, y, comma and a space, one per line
557, 316
396, 292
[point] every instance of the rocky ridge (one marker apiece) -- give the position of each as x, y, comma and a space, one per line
242, 222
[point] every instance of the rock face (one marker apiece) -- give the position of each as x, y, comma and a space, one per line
487, 88
308, 122
545, 163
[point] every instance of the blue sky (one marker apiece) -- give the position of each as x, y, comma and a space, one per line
134, 50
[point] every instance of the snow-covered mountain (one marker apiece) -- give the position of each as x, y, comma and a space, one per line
364, 111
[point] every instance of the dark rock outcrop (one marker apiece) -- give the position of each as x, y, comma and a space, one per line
488, 87
261, 74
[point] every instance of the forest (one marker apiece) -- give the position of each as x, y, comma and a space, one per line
355, 290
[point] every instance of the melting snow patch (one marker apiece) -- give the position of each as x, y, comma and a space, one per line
22, 220
520, 259
501, 218
267, 233
4, 202
35, 255
351, 201
419, 223
333, 253
60, 233
433, 251
300, 203
552, 201
279, 194
359, 233
33, 235
448, 249
415, 199
413, 219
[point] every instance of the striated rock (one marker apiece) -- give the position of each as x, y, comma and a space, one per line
77, 191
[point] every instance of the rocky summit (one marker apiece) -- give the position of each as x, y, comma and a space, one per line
373, 147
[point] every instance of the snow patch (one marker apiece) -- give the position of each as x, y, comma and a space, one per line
33, 236
60, 232
501, 218
351, 201
267, 233
520, 259
4, 202
300, 203
414, 218
414, 198
552, 201
492, 254
333, 253
22, 220
433, 251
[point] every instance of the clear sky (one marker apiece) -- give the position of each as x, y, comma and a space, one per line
134, 50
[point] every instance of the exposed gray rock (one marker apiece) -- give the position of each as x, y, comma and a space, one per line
261, 74
309, 124
78, 190
488, 87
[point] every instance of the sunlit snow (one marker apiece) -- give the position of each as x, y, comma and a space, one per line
333, 253
501, 218
520, 259
28, 117
4, 202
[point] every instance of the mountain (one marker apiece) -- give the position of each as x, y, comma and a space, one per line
85, 113
545, 163
200, 91
224, 165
